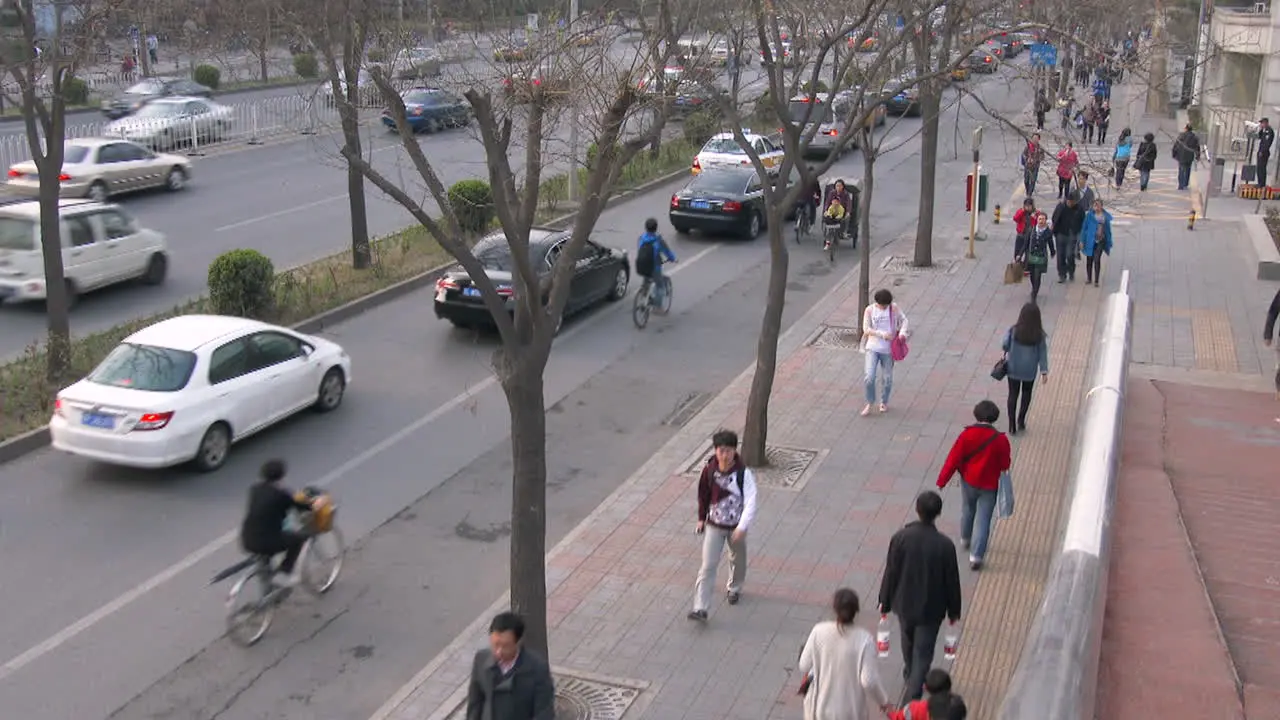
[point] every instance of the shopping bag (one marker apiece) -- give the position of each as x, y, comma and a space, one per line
1013, 273
1004, 495
898, 348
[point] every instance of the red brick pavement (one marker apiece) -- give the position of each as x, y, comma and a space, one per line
1193, 618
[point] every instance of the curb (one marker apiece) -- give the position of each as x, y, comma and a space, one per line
32, 440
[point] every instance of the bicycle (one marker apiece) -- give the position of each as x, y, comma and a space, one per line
644, 301
249, 617
830, 238
804, 223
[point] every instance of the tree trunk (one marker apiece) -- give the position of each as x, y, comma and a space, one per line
361, 253
864, 222
756, 429
144, 53
263, 47
57, 299
522, 383
930, 106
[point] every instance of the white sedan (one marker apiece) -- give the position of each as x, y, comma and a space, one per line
186, 388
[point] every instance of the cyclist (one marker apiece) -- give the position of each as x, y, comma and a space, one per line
263, 530
810, 201
652, 252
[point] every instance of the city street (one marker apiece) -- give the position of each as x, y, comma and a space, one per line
113, 610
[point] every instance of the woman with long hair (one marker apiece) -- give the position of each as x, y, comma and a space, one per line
840, 661
1026, 347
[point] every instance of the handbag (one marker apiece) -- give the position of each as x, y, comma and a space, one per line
1004, 495
898, 347
1037, 260
1000, 370
1013, 273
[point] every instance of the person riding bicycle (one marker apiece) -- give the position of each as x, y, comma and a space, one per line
262, 532
810, 201
650, 255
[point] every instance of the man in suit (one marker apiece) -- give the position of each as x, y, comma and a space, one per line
509, 681
1266, 138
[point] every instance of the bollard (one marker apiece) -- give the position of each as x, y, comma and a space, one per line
1191, 221
195, 139
997, 218
253, 130
311, 118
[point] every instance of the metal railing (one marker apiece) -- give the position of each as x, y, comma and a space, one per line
1057, 674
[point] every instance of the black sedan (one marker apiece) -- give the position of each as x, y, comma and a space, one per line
601, 273
693, 98
727, 200
144, 92
430, 110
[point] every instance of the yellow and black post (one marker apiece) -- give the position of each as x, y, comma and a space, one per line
1191, 221
997, 215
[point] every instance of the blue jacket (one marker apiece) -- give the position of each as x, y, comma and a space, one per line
653, 242
1024, 362
1089, 233
1124, 148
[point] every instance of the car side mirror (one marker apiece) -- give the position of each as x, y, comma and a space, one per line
307, 350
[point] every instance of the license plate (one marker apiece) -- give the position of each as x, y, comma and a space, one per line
96, 420
700, 205
471, 292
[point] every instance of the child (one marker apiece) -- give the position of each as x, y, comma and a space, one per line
937, 683
835, 212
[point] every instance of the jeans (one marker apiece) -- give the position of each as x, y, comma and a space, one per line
1019, 400
714, 540
918, 644
1184, 175
1067, 255
1088, 132
1029, 177
1121, 166
873, 362
1144, 179
657, 286
1039, 120
1093, 266
977, 507
1102, 132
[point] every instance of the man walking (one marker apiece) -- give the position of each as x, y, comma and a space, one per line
1186, 150
726, 506
510, 681
1266, 137
1032, 156
921, 585
1068, 218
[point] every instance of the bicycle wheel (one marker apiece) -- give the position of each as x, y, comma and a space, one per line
799, 226
831, 246
322, 561
666, 294
640, 309
249, 609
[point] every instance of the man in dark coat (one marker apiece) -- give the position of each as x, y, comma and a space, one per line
1186, 150
509, 681
1266, 138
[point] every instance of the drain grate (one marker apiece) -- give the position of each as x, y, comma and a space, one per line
586, 697
788, 467
833, 336
900, 265
689, 406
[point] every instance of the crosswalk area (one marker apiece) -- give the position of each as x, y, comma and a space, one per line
1162, 199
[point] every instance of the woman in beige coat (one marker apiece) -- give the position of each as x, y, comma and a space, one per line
842, 659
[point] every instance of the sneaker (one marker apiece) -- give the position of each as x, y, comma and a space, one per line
699, 615
974, 563
865, 411
1062, 280
884, 408
734, 597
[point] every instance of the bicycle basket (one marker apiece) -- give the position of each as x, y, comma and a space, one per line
320, 519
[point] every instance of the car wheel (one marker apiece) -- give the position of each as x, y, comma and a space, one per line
157, 267
176, 179
433, 125
680, 229
332, 387
98, 191
753, 226
213, 449
620, 281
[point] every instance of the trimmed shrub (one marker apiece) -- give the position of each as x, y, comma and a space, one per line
305, 65
472, 202
242, 283
75, 91
700, 126
807, 88
207, 75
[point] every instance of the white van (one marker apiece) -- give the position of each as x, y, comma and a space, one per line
102, 244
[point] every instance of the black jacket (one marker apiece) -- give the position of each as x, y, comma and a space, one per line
269, 505
1186, 148
1273, 313
921, 583
1067, 220
1035, 242
1266, 137
526, 693
1145, 159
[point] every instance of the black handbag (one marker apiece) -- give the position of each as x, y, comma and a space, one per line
1000, 370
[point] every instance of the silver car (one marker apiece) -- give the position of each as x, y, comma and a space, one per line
99, 167
166, 123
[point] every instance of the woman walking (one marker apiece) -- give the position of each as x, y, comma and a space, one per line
1067, 162
882, 322
1095, 239
1145, 161
1033, 249
1124, 150
1104, 119
980, 455
839, 664
1026, 348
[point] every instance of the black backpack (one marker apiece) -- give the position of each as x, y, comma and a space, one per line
646, 257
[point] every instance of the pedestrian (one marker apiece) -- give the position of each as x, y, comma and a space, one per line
153, 48
1145, 161
1186, 150
726, 507
1067, 105
510, 681
1068, 217
1084, 187
840, 657
937, 683
1266, 138
1096, 239
1068, 160
1268, 335
882, 321
1089, 118
1101, 88
1026, 348
1042, 106
1032, 157
980, 454
1033, 249
1024, 218
1124, 150
921, 585
1104, 122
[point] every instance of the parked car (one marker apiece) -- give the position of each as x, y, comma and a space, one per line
691, 98
429, 109
722, 200
102, 244
601, 273
513, 49
523, 84
97, 168
167, 123
187, 388
143, 92
417, 63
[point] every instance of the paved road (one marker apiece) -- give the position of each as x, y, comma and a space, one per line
89, 540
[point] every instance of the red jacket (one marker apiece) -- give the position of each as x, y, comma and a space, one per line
919, 711
1021, 218
980, 468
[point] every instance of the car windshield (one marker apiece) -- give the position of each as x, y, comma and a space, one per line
421, 97
146, 87
803, 110
718, 182
145, 367
17, 234
725, 146
74, 154
159, 110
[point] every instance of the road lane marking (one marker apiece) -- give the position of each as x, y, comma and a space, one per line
281, 213
88, 621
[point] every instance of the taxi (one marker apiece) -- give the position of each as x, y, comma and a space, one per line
724, 150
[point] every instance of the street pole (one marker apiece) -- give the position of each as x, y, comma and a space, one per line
574, 119
973, 200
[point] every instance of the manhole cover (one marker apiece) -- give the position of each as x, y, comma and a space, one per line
586, 697
786, 469
894, 265
832, 336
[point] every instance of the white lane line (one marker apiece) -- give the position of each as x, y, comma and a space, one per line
71, 631
281, 213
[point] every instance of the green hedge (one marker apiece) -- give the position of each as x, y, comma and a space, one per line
241, 283
472, 203
207, 75
75, 91
305, 66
